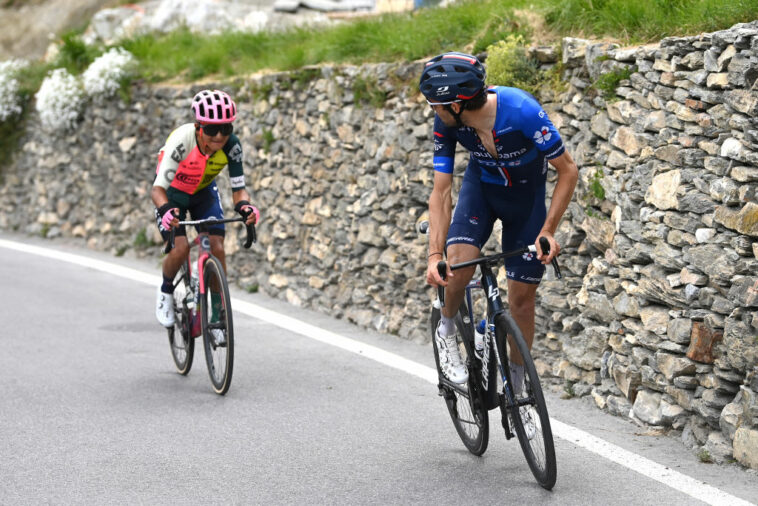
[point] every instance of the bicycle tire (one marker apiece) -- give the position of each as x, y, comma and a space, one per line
470, 418
183, 348
219, 355
539, 449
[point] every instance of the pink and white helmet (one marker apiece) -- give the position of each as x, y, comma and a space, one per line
214, 107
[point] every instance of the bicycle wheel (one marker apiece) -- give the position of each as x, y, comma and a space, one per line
528, 411
218, 335
182, 345
464, 402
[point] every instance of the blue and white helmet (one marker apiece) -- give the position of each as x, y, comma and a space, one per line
452, 76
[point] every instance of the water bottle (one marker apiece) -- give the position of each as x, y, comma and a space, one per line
479, 335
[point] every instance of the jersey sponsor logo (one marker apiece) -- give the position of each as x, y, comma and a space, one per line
236, 153
541, 114
504, 130
179, 153
528, 256
474, 220
542, 135
170, 174
208, 178
187, 179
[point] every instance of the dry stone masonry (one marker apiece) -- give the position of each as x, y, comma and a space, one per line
656, 318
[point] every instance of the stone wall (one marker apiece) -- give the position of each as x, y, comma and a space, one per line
656, 317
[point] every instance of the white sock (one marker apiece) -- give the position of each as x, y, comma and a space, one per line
447, 325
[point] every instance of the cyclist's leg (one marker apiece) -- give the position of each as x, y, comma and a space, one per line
521, 301
525, 272
164, 302
471, 227
204, 205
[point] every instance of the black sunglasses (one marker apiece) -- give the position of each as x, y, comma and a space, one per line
212, 129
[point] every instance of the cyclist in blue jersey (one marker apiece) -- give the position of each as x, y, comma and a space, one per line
510, 140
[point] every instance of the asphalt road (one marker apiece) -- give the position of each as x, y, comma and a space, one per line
92, 412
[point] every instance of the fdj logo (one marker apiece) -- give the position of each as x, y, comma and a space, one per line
493, 292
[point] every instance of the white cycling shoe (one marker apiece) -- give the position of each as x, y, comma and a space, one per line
164, 308
451, 364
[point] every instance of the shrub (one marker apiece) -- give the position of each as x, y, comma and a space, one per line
509, 65
11, 103
108, 73
59, 100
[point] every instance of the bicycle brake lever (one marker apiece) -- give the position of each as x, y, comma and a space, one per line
545, 245
557, 269
251, 236
170, 242
442, 271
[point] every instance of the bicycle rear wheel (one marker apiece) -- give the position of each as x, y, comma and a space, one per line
465, 403
218, 334
528, 411
182, 344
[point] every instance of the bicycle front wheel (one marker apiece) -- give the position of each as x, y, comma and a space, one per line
182, 344
218, 334
527, 409
465, 403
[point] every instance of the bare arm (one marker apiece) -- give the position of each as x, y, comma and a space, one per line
440, 212
568, 173
159, 196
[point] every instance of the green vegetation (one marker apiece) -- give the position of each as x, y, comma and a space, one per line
596, 186
366, 91
74, 55
606, 84
705, 456
252, 288
646, 20
268, 139
509, 65
568, 390
140, 240
406, 36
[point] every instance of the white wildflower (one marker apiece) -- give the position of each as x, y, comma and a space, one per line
59, 100
104, 76
10, 98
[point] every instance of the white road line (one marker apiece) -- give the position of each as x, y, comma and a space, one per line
644, 466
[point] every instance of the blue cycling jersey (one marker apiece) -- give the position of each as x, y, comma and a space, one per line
524, 137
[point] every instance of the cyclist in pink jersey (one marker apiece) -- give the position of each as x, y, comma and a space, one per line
194, 154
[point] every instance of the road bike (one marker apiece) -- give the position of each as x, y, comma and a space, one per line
489, 385
202, 307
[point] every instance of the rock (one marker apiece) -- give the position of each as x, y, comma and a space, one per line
746, 447
662, 191
744, 221
702, 341
647, 407
673, 366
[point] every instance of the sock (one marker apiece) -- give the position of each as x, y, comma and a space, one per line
517, 377
447, 325
168, 285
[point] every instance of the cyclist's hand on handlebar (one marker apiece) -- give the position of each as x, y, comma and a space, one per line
168, 216
432, 274
248, 211
555, 248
